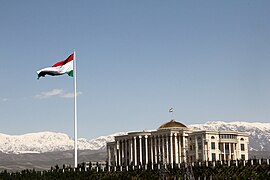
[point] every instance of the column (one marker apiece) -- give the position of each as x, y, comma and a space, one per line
152, 153
109, 155
155, 153
167, 149
140, 141
131, 151
159, 150
196, 148
237, 156
171, 147
224, 151
176, 148
146, 150
179, 148
203, 150
234, 152
230, 152
209, 152
209, 149
122, 153
135, 152
184, 148
115, 155
126, 150
239, 148
119, 153
163, 150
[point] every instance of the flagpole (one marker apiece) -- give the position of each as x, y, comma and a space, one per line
75, 113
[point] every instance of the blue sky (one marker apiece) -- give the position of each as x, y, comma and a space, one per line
209, 60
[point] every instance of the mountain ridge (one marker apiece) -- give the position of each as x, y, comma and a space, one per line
46, 141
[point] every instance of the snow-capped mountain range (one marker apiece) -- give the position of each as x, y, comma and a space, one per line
50, 141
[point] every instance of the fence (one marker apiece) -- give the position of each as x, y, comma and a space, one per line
104, 166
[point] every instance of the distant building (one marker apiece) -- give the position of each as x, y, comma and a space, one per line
173, 143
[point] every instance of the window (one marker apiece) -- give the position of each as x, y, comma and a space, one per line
199, 145
242, 139
227, 146
242, 156
242, 147
227, 136
212, 137
213, 145
213, 156
220, 147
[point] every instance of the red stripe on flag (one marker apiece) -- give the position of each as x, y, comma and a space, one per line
61, 63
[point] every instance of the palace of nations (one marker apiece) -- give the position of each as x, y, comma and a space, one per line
174, 143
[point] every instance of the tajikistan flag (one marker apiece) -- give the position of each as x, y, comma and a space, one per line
60, 68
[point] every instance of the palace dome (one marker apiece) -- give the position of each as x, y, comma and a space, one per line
172, 124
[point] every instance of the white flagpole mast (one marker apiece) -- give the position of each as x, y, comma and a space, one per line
75, 112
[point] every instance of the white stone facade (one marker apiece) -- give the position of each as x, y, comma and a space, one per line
174, 143
217, 145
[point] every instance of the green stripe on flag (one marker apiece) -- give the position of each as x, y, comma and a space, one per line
70, 73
